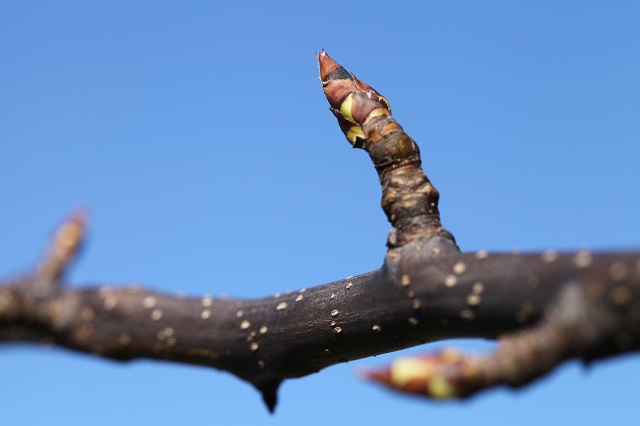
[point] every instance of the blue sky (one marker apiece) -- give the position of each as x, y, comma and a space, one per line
198, 137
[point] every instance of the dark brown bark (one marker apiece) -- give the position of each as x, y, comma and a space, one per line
546, 307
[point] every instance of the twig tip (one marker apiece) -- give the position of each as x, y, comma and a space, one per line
65, 245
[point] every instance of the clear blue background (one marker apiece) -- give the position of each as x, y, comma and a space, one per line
198, 136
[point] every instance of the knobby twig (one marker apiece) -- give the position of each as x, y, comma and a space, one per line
545, 308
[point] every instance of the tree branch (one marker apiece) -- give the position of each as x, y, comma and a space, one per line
547, 307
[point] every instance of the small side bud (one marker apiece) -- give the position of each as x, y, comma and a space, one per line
440, 376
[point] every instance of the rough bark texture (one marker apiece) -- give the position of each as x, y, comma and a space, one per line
545, 307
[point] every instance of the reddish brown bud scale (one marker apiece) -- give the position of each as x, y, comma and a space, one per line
353, 102
328, 66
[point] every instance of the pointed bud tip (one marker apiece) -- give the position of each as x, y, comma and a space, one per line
70, 233
79, 216
376, 375
326, 64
